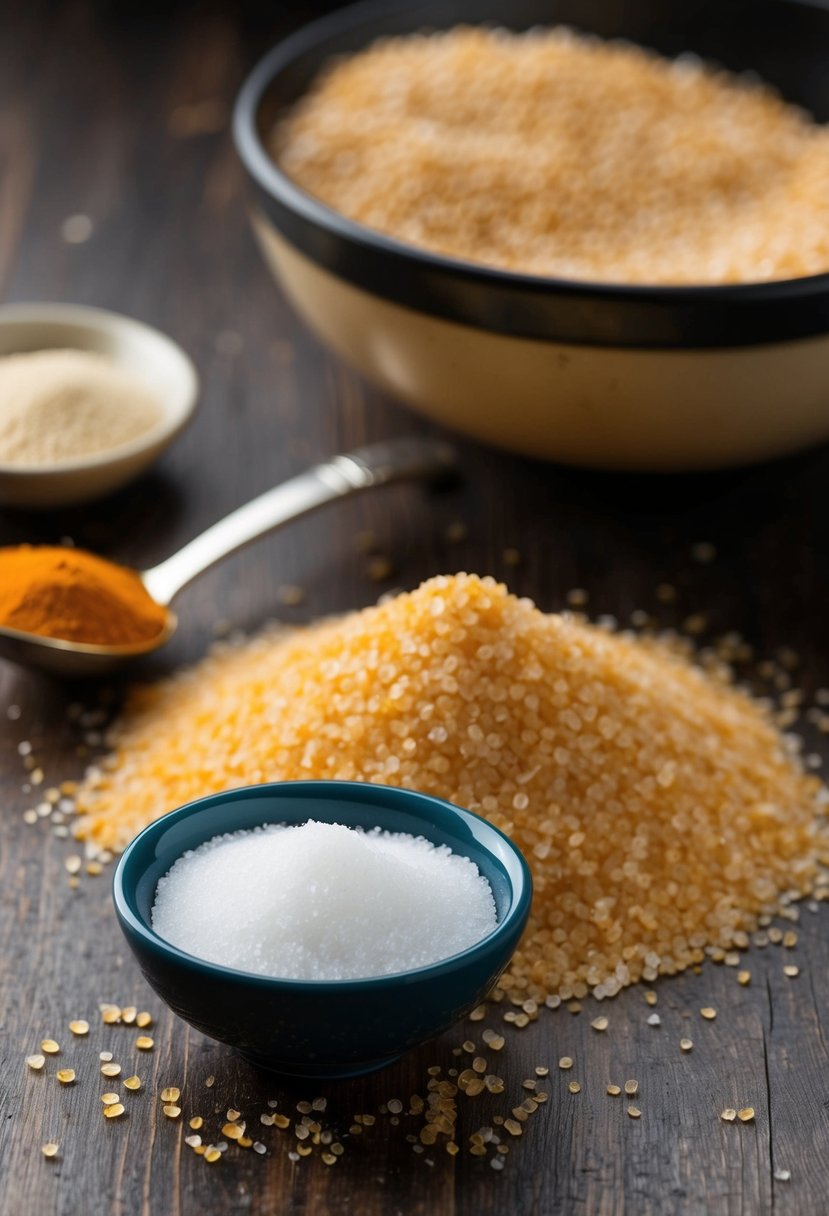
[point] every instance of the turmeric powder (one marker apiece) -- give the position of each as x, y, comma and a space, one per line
73, 596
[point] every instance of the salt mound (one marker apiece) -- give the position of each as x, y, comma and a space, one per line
323, 902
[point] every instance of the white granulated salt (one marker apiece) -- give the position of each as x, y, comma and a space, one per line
322, 902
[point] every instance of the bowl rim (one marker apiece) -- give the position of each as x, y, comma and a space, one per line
303, 211
519, 906
174, 417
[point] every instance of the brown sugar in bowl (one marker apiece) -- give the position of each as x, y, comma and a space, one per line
600, 374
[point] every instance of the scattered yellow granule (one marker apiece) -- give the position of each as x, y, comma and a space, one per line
660, 810
558, 154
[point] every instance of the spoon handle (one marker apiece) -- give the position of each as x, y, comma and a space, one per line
344, 475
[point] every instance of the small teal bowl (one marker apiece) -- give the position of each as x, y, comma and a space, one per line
322, 1029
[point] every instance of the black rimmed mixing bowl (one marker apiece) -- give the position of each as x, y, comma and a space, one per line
602, 375
326, 1029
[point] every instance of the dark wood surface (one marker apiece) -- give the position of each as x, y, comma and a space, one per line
122, 116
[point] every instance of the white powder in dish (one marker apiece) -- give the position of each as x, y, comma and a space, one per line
59, 405
323, 902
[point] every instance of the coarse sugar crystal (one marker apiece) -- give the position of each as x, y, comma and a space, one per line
322, 901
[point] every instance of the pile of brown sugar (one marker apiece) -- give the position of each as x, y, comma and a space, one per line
558, 154
661, 811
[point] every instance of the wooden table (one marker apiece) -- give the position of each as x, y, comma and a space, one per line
122, 117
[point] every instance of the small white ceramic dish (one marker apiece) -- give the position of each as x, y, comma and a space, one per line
148, 354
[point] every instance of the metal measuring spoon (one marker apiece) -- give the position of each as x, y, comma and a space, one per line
342, 476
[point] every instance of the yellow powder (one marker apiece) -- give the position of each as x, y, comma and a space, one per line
559, 154
60, 405
660, 811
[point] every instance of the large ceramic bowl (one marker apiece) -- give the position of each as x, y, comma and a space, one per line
607, 376
316, 1028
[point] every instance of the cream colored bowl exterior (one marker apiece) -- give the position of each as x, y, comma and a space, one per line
596, 406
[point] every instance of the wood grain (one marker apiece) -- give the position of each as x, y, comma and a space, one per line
120, 114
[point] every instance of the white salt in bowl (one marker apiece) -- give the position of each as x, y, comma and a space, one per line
153, 358
321, 1028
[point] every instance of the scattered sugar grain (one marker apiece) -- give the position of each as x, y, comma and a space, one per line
290, 594
76, 229
323, 902
379, 568
456, 531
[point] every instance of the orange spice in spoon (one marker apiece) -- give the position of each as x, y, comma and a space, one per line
74, 596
